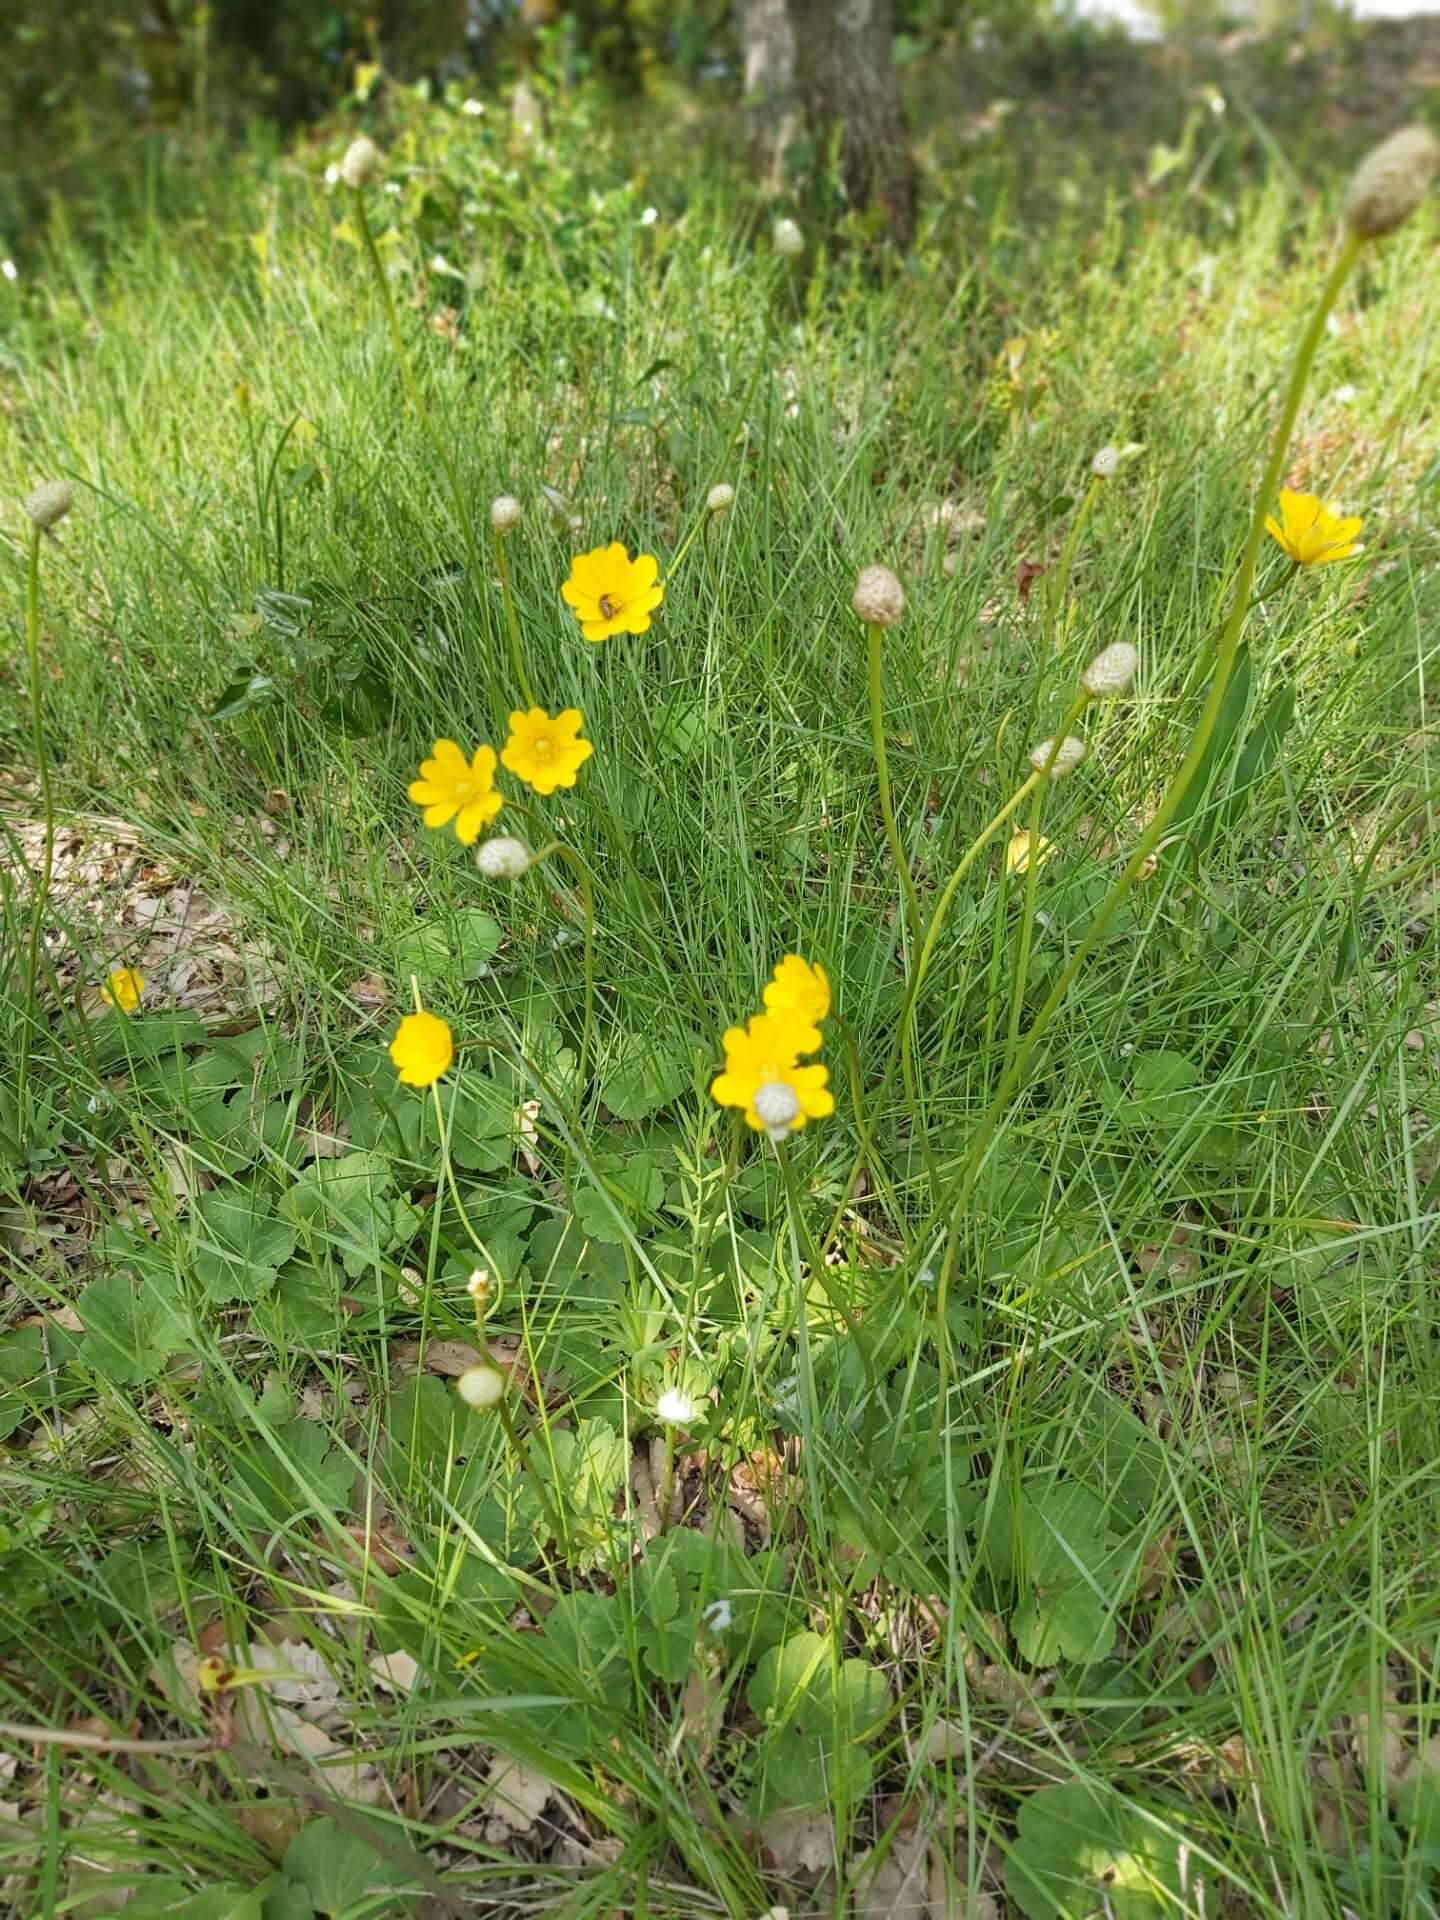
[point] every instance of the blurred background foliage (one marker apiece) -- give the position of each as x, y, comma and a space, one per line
94, 92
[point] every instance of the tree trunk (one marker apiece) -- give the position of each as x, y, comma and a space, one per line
846, 78
768, 42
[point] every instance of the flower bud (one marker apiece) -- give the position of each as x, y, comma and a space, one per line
1111, 671
879, 598
676, 1409
1068, 755
505, 513
503, 857
1390, 182
50, 501
363, 163
478, 1285
481, 1387
789, 241
1106, 463
720, 499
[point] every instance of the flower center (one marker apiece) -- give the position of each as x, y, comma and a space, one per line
777, 1103
608, 606
543, 747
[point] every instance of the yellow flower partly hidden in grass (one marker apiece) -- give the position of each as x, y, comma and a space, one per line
422, 1049
1017, 853
799, 988
611, 593
123, 989
451, 787
1313, 531
764, 1077
546, 753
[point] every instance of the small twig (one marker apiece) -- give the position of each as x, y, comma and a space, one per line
99, 1742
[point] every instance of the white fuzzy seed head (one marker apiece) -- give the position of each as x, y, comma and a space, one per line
778, 1105
1106, 463
503, 858
879, 598
478, 1285
481, 1387
1111, 671
720, 499
1390, 182
789, 240
50, 501
506, 513
674, 1408
363, 164
1068, 756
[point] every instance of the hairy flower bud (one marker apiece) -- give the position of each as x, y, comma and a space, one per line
1068, 755
789, 241
720, 499
505, 513
481, 1387
50, 501
879, 598
363, 163
503, 857
676, 1409
1390, 182
1106, 463
1111, 671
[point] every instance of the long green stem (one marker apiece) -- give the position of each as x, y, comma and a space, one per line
958, 1196
1032, 876
416, 396
1061, 585
903, 1040
587, 896
519, 1446
874, 636
512, 620
40, 906
815, 1259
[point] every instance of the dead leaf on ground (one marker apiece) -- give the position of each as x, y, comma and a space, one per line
518, 1795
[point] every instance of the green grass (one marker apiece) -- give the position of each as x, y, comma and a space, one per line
1174, 1553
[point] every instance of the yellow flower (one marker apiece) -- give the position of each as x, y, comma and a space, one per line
124, 988
800, 989
763, 1076
611, 593
546, 753
1017, 854
1313, 531
451, 787
422, 1049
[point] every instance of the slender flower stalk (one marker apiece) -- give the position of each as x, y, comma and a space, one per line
1067, 558
957, 1197
40, 521
880, 602
814, 1259
483, 1400
1045, 773
557, 849
512, 617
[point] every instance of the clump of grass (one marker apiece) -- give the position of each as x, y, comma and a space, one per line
1034, 1449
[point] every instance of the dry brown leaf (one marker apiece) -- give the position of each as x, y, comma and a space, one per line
897, 1885
518, 1795
796, 1843
397, 1671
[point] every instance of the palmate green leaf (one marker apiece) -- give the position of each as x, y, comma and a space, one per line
157, 1899
349, 1207
634, 1189
646, 1074
343, 1874
481, 1123
22, 1361
1083, 1849
1053, 1543
241, 1243
132, 1326
301, 1472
